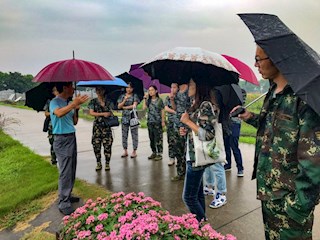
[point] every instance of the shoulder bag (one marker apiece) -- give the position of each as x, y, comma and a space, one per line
209, 152
46, 124
134, 121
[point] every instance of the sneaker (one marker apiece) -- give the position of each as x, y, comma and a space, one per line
158, 157
66, 211
227, 169
152, 156
107, 167
208, 191
53, 162
99, 166
218, 201
240, 173
177, 178
171, 162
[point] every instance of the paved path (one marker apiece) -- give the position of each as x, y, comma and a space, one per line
241, 216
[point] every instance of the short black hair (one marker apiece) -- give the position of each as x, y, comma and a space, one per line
60, 85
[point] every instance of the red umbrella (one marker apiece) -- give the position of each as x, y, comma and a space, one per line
245, 71
72, 70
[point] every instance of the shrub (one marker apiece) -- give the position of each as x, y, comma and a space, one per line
133, 216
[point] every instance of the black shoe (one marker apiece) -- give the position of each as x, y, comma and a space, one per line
66, 211
74, 199
54, 162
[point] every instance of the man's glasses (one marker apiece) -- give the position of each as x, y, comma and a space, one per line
257, 60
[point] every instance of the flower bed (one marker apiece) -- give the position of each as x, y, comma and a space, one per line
133, 216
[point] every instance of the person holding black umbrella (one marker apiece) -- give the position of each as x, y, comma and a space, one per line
50, 135
287, 157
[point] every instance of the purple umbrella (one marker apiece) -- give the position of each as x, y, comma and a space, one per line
146, 79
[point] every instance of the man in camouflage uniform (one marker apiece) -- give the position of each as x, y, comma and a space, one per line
183, 103
287, 157
172, 133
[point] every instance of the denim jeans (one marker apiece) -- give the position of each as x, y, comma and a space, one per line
193, 192
232, 143
216, 171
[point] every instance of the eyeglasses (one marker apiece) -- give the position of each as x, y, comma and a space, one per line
257, 60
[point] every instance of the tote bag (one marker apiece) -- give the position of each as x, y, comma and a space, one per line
210, 152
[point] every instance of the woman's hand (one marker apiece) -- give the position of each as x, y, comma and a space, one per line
185, 118
106, 114
183, 131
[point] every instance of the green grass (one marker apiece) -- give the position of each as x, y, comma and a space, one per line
23, 174
27, 177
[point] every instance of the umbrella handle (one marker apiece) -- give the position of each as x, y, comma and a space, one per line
239, 110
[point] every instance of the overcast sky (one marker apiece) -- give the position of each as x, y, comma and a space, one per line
118, 33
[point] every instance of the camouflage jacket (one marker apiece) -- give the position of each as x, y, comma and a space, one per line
205, 119
183, 103
126, 113
287, 157
172, 118
96, 107
154, 110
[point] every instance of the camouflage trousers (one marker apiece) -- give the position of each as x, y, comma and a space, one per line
156, 137
51, 139
172, 136
102, 136
278, 225
180, 149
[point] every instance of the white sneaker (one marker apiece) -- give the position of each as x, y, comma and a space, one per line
208, 191
171, 162
218, 201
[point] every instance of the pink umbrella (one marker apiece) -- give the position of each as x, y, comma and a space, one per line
245, 71
72, 70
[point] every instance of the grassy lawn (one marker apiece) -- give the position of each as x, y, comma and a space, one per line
29, 183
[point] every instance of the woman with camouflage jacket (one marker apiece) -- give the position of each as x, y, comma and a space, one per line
100, 108
200, 119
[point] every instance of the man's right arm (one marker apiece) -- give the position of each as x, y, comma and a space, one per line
60, 112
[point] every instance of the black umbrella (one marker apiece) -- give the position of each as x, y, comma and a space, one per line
180, 64
38, 96
297, 62
113, 92
231, 96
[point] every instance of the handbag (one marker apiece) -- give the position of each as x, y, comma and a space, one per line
112, 121
209, 152
46, 124
134, 121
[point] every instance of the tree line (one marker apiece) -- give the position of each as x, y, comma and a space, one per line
16, 81
22, 83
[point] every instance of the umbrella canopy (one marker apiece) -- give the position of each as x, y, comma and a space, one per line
147, 80
38, 96
114, 92
136, 83
116, 82
231, 95
296, 61
245, 71
72, 70
182, 63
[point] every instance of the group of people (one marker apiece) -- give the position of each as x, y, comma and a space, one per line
287, 157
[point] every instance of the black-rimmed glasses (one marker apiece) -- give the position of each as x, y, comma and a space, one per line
257, 60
